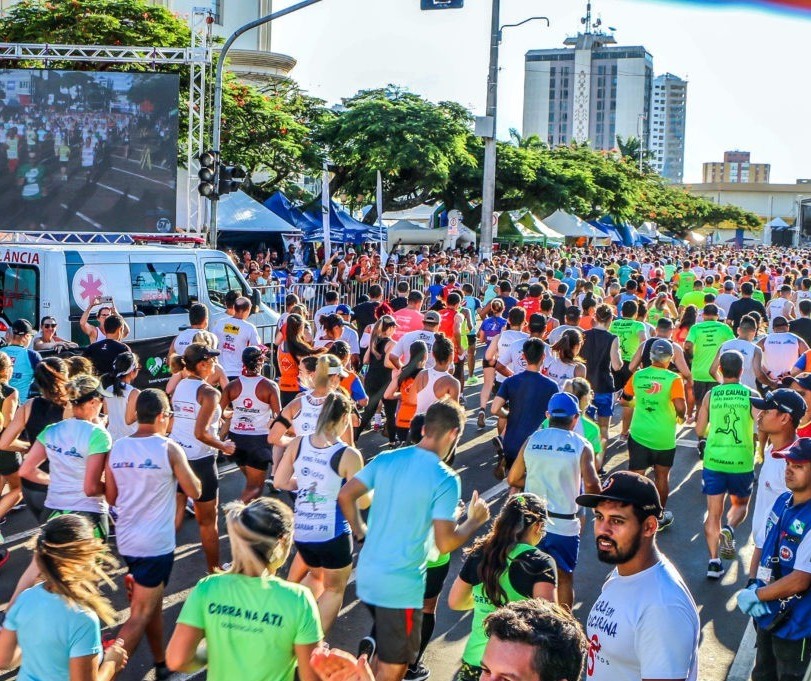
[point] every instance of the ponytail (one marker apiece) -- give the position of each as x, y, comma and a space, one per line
334, 411
260, 534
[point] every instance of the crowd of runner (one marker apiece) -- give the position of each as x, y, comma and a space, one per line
571, 342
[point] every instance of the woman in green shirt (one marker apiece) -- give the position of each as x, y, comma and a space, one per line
502, 567
256, 626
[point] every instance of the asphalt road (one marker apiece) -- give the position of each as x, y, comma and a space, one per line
722, 626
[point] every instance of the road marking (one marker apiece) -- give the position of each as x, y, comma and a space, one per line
144, 177
744, 661
83, 216
117, 191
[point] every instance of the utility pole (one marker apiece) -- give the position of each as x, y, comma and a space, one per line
489, 183
216, 130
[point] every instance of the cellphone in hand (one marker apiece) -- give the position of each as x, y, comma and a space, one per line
105, 300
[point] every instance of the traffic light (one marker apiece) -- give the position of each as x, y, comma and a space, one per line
231, 178
441, 4
208, 170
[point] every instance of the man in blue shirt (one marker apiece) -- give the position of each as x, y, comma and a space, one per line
414, 492
22, 359
527, 395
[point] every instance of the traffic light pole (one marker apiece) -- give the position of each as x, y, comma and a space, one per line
489, 183
216, 130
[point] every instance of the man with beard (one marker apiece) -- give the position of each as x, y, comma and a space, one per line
645, 623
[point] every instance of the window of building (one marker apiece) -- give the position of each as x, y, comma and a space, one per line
163, 288
217, 7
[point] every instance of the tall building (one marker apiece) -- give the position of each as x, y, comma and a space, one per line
736, 168
668, 117
588, 90
251, 58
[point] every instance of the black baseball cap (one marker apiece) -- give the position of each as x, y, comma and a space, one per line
799, 452
782, 399
251, 354
537, 322
626, 487
22, 327
197, 352
803, 380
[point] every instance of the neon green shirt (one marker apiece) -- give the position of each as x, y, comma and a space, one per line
654, 420
627, 330
251, 625
706, 338
590, 431
730, 445
686, 280
693, 298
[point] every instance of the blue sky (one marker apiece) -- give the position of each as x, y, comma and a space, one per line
745, 66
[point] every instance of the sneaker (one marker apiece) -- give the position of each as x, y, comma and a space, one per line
377, 422
666, 520
473, 380
715, 569
368, 647
462, 400
726, 548
190, 507
162, 672
18, 507
419, 672
4, 556
480, 420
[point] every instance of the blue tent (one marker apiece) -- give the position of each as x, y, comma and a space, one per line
282, 206
608, 230
343, 227
626, 231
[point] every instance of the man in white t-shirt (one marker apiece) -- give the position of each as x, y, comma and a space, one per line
727, 297
398, 353
645, 623
234, 335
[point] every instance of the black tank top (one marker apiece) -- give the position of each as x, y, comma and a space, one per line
596, 354
43, 413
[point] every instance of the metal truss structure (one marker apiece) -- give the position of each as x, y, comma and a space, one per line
198, 57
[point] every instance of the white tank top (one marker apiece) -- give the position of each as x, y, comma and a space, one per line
186, 408
146, 496
184, 339
748, 350
508, 337
304, 422
251, 415
780, 352
552, 458
803, 295
559, 371
776, 308
426, 396
116, 411
318, 517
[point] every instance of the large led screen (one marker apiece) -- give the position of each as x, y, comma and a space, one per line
88, 151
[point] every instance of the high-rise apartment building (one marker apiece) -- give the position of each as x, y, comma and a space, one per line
590, 90
736, 168
668, 117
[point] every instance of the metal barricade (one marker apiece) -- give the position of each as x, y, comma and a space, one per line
273, 295
313, 296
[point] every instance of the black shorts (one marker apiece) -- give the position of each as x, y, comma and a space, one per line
252, 451
701, 388
333, 554
287, 396
435, 580
10, 462
150, 571
398, 632
621, 377
640, 457
206, 470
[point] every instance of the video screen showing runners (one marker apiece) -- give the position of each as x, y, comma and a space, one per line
88, 151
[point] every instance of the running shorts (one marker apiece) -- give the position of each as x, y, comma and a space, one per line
564, 550
435, 579
398, 632
252, 451
701, 388
206, 470
332, 554
737, 484
603, 404
640, 457
10, 462
150, 571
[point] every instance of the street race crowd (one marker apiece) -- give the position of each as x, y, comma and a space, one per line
571, 341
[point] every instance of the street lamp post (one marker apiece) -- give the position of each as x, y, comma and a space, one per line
216, 130
491, 111
640, 129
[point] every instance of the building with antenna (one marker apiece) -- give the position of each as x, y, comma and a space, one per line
591, 89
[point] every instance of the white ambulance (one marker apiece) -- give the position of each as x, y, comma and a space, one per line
152, 287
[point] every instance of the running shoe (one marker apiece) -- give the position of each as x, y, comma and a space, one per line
473, 380
480, 419
368, 647
4, 556
418, 672
162, 672
18, 507
462, 400
715, 569
727, 545
190, 507
377, 422
666, 520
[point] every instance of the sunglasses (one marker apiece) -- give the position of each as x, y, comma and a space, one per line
49, 326
168, 414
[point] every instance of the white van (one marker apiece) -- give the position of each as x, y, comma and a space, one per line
152, 286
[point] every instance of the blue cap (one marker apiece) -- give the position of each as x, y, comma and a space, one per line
563, 406
343, 309
800, 451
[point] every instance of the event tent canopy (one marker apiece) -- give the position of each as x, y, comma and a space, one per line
524, 227
571, 226
238, 212
778, 224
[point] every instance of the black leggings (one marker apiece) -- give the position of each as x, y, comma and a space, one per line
376, 383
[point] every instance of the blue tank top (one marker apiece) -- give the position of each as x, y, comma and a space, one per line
24, 362
492, 326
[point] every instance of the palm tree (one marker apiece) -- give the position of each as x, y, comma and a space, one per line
631, 147
532, 142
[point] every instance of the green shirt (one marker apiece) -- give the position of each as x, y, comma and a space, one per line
757, 294
693, 298
730, 445
252, 625
706, 338
686, 280
627, 330
670, 270
654, 420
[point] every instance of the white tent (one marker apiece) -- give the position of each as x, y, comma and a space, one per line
571, 226
778, 223
238, 212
